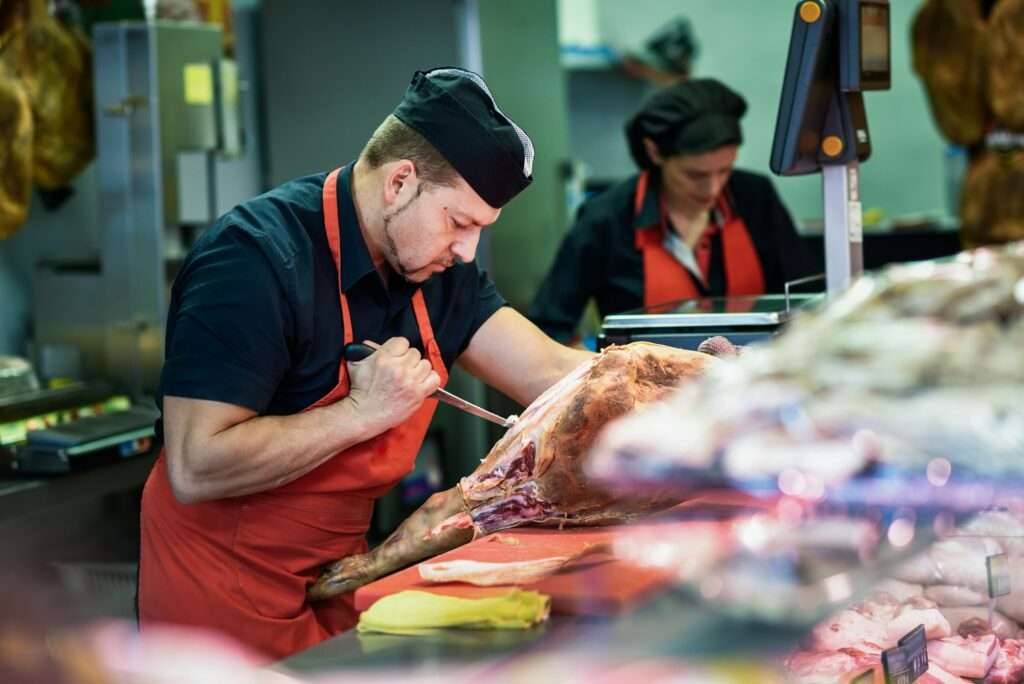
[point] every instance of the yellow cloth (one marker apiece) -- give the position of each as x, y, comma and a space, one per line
421, 612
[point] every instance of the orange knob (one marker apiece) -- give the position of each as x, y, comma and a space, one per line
810, 12
832, 146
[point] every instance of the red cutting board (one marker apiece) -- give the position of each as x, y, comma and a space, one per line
597, 584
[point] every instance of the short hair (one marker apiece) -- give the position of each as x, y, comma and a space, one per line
394, 140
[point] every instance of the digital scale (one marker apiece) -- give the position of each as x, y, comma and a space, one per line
687, 323
837, 50
85, 442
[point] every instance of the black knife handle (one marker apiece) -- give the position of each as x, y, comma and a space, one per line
355, 352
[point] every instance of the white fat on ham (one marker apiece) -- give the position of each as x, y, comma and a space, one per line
966, 657
918, 611
484, 574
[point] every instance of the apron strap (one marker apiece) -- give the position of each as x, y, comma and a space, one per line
333, 229
743, 272
430, 346
665, 279
332, 226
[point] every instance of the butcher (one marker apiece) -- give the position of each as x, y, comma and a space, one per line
275, 447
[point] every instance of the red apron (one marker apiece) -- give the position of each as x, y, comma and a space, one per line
241, 565
667, 280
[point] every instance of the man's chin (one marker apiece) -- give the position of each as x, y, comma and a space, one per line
420, 276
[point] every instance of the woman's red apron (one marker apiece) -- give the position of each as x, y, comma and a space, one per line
242, 565
667, 280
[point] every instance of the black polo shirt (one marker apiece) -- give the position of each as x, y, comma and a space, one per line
254, 315
599, 260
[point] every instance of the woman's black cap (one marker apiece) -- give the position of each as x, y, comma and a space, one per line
687, 118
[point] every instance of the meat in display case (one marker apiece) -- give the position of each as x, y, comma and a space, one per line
884, 434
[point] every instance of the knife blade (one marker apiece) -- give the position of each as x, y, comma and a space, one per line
356, 351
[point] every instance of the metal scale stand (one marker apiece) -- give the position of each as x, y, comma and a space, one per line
837, 50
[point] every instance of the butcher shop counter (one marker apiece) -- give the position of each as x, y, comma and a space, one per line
672, 629
89, 515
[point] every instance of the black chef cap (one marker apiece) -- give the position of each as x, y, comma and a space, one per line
454, 110
687, 118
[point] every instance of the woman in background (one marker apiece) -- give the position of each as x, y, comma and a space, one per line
687, 225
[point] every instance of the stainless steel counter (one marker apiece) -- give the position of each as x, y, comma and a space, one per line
670, 626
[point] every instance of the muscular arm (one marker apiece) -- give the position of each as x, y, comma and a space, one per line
217, 450
515, 357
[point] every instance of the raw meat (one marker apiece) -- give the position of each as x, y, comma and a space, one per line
535, 473
971, 620
966, 657
973, 627
919, 362
1009, 665
829, 668
850, 629
936, 674
918, 611
490, 574
880, 607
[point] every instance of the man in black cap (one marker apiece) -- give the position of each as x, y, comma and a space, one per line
275, 446
688, 225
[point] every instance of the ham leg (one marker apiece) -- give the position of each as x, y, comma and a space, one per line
535, 474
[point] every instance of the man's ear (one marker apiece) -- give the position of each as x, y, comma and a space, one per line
401, 177
652, 151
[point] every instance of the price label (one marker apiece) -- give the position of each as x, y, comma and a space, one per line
855, 222
908, 660
998, 567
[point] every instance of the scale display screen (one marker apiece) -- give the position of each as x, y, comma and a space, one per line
874, 46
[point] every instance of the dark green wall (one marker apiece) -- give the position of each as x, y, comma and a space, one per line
520, 62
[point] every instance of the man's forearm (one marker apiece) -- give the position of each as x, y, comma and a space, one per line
265, 452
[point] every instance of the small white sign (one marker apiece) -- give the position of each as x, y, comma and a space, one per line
855, 221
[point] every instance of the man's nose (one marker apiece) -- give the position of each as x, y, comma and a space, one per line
465, 248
